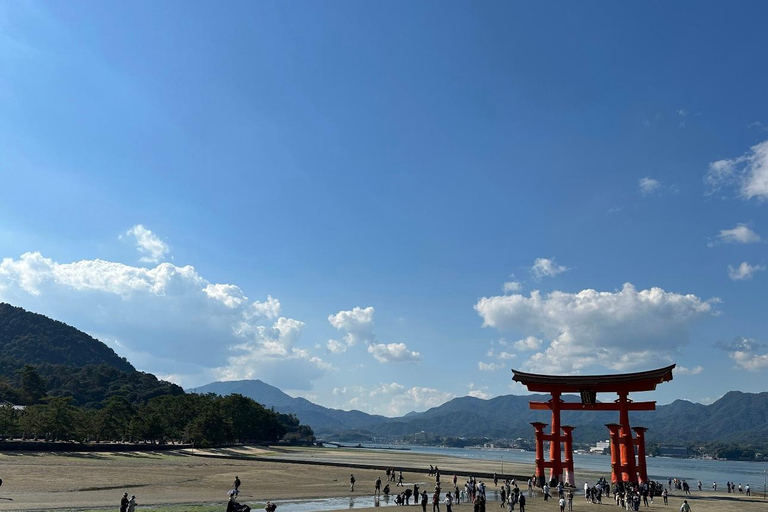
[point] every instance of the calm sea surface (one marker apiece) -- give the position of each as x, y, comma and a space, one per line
659, 468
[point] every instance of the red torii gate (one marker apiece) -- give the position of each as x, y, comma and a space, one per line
624, 468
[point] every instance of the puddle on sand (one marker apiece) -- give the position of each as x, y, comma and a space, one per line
349, 502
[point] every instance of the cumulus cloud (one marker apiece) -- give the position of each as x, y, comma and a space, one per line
648, 185
744, 271
529, 343
148, 244
387, 389
357, 323
746, 353
746, 175
393, 353
682, 370
478, 391
397, 399
512, 286
489, 367
546, 267
741, 234
617, 330
170, 312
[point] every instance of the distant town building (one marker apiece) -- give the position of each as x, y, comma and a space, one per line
673, 451
601, 447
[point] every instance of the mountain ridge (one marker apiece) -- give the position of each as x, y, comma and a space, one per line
735, 417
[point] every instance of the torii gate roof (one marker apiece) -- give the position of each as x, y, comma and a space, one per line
627, 382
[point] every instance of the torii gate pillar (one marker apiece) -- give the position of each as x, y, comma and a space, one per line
642, 471
569, 478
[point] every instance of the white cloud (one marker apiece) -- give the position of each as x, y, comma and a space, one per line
741, 234
400, 399
746, 354
512, 286
481, 393
335, 346
387, 389
170, 312
489, 367
648, 185
617, 330
148, 244
358, 324
545, 267
505, 355
393, 353
529, 343
744, 271
682, 370
747, 175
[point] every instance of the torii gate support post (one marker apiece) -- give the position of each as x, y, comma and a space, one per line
539, 437
629, 471
642, 471
570, 479
556, 471
616, 468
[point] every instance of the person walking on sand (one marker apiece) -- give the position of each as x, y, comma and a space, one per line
522, 502
561, 502
236, 485
377, 486
424, 499
132, 504
665, 494
436, 502
400, 479
685, 507
351, 483
124, 503
448, 502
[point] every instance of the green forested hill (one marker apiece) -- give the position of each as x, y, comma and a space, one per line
40, 356
30, 338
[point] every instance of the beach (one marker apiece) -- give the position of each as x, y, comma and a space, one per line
316, 478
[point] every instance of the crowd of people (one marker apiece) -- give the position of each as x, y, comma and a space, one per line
474, 491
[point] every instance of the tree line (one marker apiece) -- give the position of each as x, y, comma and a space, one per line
201, 420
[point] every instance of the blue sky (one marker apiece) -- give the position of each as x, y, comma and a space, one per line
331, 196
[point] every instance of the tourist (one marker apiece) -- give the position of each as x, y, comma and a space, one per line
351, 483
416, 493
386, 490
132, 504
685, 507
747, 489
458, 495
236, 485
714, 487
424, 499
741, 491
561, 502
270, 507
586, 491
522, 503
570, 500
407, 494
545, 490
699, 485
436, 502
400, 479
124, 503
448, 502
377, 486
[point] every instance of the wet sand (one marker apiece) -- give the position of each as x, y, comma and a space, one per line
79, 481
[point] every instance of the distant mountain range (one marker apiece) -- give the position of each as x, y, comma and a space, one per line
736, 417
